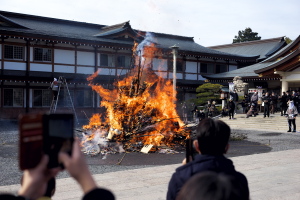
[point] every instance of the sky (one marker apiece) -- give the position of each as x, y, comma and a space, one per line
210, 22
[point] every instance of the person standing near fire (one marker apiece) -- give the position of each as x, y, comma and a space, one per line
231, 108
291, 116
55, 87
266, 100
283, 103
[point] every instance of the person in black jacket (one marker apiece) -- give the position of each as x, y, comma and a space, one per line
231, 108
211, 144
35, 180
266, 99
283, 103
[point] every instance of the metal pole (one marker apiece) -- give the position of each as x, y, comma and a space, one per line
174, 52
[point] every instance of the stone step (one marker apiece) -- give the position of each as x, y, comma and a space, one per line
274, 122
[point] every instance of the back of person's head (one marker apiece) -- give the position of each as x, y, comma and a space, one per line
213, 186
213, 136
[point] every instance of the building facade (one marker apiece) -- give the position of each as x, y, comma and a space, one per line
34, 50
278, 73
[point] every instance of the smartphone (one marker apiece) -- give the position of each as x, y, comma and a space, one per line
30, 140
189, 150
57, 136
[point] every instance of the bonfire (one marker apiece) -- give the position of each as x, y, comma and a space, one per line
140, 111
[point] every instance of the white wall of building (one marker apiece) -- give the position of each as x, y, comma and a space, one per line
162, 74
85, 70
106, 71
40, 67
293, 76
121, 72
191, 76
64, 56
201, 78
85, 58
64, 68
178, 75
14, 66
191, 67
160, 64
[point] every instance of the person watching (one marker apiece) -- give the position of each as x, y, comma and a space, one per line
212, 186
211, 144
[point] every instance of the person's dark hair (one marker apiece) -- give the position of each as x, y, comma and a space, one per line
213, 136
213, 186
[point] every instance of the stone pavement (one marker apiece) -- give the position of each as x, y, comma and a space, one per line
274, 175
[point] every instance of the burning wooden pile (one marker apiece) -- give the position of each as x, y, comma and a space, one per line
140, 113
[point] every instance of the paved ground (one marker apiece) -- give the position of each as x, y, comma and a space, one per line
274, 175
269, 159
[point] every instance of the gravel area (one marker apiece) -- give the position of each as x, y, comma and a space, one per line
257, 141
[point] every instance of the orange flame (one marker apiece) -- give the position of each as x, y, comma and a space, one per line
142, 103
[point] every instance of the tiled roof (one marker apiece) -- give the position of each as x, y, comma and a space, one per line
263, 48
253, 70
55, 29
187, 46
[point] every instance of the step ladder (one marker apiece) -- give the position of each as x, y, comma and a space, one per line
62, 83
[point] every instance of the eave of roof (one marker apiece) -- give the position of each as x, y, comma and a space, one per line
11, 22
256, 69
57, 29
273, 65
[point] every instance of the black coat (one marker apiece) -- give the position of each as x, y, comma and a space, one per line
230, 106
219, 164
266, 100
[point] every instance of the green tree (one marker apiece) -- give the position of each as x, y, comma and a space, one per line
207, 92
246, 35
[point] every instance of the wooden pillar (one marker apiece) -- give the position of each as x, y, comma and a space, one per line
284, 86
96, 70
2, 73
27, 93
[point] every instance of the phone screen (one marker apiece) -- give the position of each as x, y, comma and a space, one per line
61, 128
58, 136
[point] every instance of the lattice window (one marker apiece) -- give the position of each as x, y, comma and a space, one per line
103, 60
13, 97
107, 60
42, 54
13, 52
123, 61
42, 98
84, 98
64, 98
